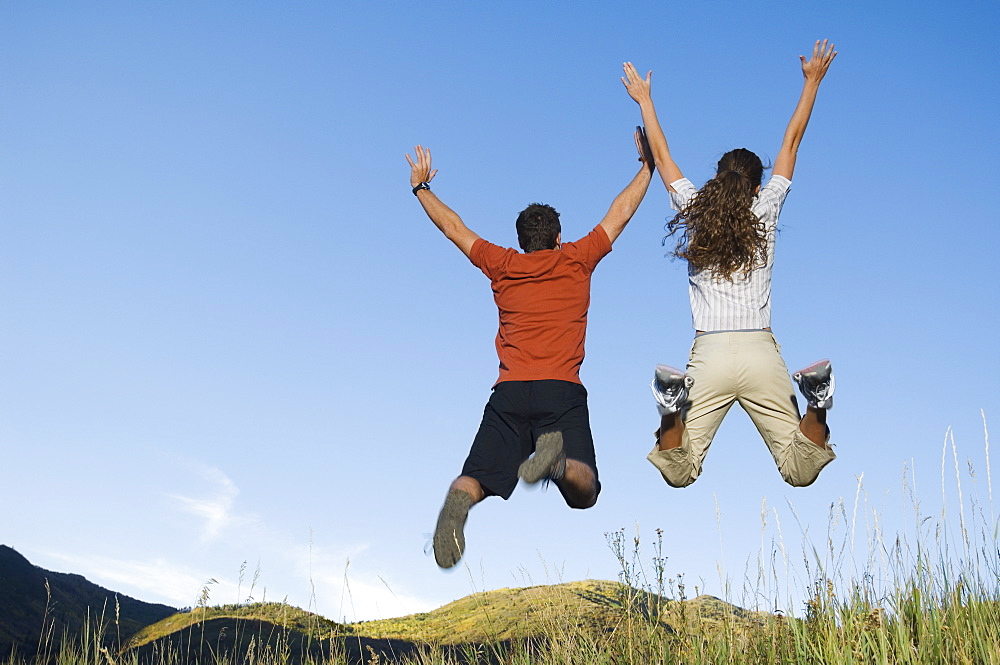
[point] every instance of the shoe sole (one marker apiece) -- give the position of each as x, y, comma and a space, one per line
668, 373
548, 449
449, 535
814, 369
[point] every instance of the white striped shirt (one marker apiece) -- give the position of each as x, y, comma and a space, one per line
742, 302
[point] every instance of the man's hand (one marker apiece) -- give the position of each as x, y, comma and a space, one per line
815, 68
645, 152
625, 204
421, 171
443, 217
637, 87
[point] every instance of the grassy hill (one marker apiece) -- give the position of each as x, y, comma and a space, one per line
38, 605
261, 632
274, 632
593, 607
281, 616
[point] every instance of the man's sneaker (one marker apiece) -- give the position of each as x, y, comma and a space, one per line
670, 387
816, 384
548, 462
449, 535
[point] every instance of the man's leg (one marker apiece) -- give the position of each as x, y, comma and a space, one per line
490, 469
449, 535
471, 487
576, 480
564, 445
579, 486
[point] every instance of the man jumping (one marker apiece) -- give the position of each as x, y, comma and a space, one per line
536, 425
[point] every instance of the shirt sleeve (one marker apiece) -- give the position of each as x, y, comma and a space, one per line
770, 199
683, 192
592, 247
488, 257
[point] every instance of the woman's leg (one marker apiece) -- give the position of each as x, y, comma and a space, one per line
813, 425
799, 446
684, 438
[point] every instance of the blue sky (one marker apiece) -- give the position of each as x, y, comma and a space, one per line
228, 333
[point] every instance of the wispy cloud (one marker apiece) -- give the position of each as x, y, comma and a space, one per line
154, 580
367, 596
169, 565
341, 592
216, 510
346, 591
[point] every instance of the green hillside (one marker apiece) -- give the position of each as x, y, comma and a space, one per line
262, 632
592, 606
270, 631
281, 616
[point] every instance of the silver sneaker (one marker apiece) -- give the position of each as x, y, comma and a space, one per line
816, 384
670, 387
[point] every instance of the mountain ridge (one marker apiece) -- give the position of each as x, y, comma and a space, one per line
38, 604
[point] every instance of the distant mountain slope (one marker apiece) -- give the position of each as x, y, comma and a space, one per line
71, 602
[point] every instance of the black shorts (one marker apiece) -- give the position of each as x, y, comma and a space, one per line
517, 413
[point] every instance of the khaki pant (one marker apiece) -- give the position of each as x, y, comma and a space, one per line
744, 367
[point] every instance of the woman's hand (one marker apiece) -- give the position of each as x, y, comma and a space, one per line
637, 87
815, 68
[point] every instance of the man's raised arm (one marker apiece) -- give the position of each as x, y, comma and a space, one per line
443, 217
626, 203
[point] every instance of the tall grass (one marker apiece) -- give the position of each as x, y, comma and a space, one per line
929, 592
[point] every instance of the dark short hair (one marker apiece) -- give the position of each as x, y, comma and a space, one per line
538, 227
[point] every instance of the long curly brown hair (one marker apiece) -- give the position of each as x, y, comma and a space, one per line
718, 231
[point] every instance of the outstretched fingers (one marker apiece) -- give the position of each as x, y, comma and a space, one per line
825, 51
630, 73
823, 54
420, 171
637, 86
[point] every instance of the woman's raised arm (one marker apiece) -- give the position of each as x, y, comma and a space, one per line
813, 70
638, 89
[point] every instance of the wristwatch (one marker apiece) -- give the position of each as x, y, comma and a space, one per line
423, 185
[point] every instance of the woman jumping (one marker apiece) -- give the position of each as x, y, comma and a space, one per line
726, 234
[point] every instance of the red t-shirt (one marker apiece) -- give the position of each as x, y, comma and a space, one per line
542, 299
